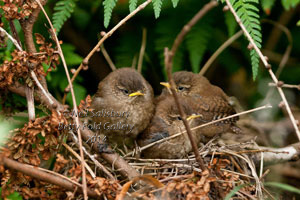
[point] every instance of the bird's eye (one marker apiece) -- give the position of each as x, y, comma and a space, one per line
179, 118
180, 88
125, 91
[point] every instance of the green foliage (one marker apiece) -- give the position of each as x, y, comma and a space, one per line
283, 186
196, 42
13, 196
267, 5
108, 7
233, 191
157, 7
132, 5
175, 2
63, 10
298, 23
248, 13
231, 23
288, 4
71, 57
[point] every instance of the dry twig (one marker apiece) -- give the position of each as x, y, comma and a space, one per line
43, 176
142, 51
73, 98
219, 51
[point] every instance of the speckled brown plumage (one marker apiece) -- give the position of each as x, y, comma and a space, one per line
213, 98
167, 122
114, 94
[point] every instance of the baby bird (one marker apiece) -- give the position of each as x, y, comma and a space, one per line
123, 105
167, 122
213, 98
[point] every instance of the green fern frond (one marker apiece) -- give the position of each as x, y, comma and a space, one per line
231, 23
287, 4
196, 42
108, 7
175, 2
248, 13
157, 7
63, 10
132, 5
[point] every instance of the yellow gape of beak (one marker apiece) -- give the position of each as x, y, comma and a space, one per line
166, 84
193, 117
138, 93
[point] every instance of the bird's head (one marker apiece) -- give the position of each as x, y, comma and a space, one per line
184, 83
130, 86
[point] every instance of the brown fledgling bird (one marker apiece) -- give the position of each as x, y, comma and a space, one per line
123, 105
213, 99
167, 122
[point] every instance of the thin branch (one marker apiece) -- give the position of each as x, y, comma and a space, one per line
74, 101
189, 25
201, 126
219, 51
168, 65
268, 67
142, 50
93, 158
28, 91
78, 157
41, 87
107, 35
113, 158
33, 75
286, 86
288, 50
43, 176
107, 58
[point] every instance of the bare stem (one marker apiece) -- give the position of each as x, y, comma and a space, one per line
268, 66
201, 126
107, 35
142, 50
219, 51
74, 102
190, 24
43, 176
107, 58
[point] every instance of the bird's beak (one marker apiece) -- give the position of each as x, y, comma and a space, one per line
138, 93
166, 84
193, 117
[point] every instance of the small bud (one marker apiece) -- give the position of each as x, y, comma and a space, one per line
280, 83
250, 46
268, 66
85, 67
281, 104
73, 71
225, 8
85, 62
102, 33
267, 58
67, 90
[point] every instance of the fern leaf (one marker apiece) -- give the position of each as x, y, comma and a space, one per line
108, 7
157, 7
231, 23
63, 10
196, 41
287, 4
175, 2
248, 13
132, 5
